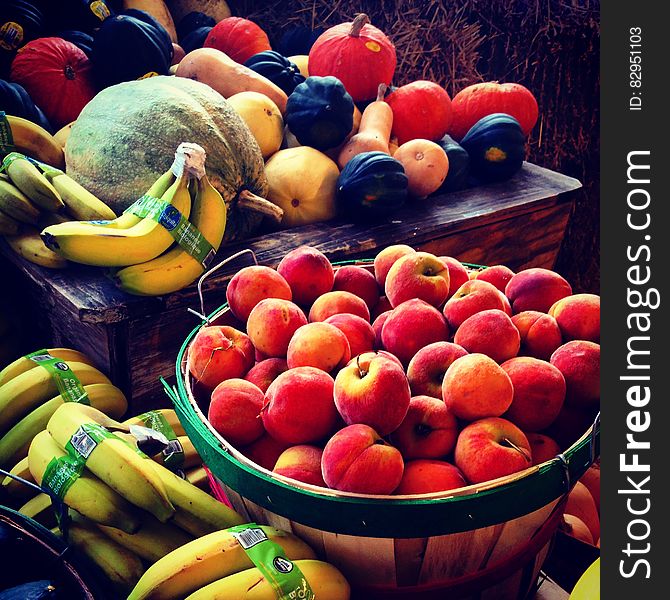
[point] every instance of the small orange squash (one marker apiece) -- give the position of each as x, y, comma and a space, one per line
426, 166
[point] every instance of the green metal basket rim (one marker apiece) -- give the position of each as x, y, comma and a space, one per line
390, 518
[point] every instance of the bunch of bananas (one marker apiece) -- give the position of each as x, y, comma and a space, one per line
34, 195
150, 262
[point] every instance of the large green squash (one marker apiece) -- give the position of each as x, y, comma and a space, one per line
127, 135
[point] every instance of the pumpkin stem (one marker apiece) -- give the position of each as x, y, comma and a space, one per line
247, 200
358, 23
381, 90
69, 72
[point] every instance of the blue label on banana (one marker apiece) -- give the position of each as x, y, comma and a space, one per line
189, 237
68, 384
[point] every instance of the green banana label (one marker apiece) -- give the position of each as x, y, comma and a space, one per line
284, 576
181, 229
10, 158
61, 473
173, 454
68, 384
6, 137
48, 170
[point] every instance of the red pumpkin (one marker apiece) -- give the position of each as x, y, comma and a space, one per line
238, 38
421, 110
358, 54
482, 99
58, 77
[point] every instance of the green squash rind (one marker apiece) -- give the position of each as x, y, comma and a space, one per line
459, 165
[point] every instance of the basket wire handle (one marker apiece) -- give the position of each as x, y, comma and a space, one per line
205, 275
594, 427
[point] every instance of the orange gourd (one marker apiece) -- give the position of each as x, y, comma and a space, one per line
426, 166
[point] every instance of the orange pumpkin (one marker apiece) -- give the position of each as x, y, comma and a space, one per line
239, 38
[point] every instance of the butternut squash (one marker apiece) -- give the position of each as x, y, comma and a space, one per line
374, 131
223, 74
426, 166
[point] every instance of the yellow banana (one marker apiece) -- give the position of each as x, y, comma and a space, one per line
24, 393
23, 364
17, 491
205, 560
35, 141
198, 477
28, 178
195, 511
8, 225
325, 581
80, 203
89, 244
16, 204
39, 509
153, 541
28, 244
14, 445
87, 494
112, 460
150, 418
60, 137
121, 567
176, 268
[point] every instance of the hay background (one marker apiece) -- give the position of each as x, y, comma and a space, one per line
550, 46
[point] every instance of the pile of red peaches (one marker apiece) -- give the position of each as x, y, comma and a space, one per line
408, 375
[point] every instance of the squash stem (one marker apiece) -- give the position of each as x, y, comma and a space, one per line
358, 23
247, 200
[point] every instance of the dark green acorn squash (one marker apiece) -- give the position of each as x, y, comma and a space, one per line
81, 39
14, 100
82, 15
277, 68
298, 40
192, 21
130, 46
371, 185
459, 165
320, 112
496, 146
33, 590
195, 39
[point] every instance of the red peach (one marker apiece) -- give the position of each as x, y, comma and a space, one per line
252, 284
491, 448
235, 411
336, 303
536, 289
372, 389
581, 504
272, 323
475, 386
458, 274
498, 275
299, 406
425, 476
264, 451
319, 345
576, 528
385, 259
472, 297
427, 368
419, 275
219, 352
366, 357
309, 273
578, 317
542, 447
264, 372
591, 479
382, 306
358, 281
377, 326
358, 331
302, 462
539, 392
489, 332
429, 430
579, 361
411, 326
539, 332
357, 459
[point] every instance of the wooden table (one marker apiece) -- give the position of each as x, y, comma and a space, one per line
135, 340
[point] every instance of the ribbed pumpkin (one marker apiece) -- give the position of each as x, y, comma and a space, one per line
358, 54
239, 38
459, 165
371, 185
117, 153
481, 99
319, 112
421, 110
130, 46
496, 147
277, 68
58, 77
14, 100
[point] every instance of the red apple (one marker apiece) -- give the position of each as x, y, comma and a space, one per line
385, 259
235, 411
302, 462
426, 476
458, 274
472, 297
419, 275
536, 289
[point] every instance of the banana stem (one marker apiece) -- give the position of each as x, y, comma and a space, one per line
247, 200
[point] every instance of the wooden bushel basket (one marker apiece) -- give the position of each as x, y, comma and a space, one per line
486, 541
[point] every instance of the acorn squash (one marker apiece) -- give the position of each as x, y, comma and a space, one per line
371, 185
496, 147
320, 112
459, 165
81, 39
126, 136
277, 68
14, 100
195, 39
298, 40
82, 15
192, 21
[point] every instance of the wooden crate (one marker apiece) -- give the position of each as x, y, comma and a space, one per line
135, 340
